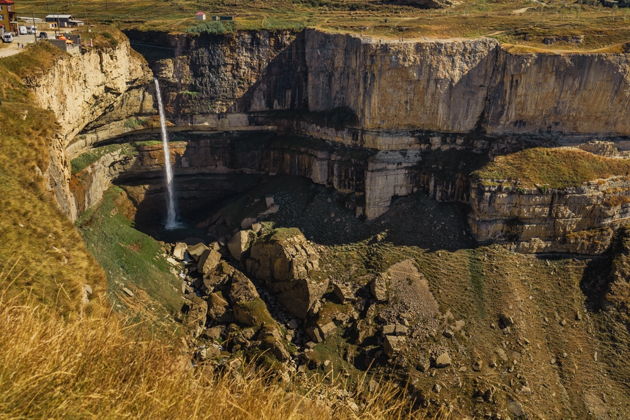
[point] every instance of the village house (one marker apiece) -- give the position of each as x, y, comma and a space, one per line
62, 21
7, 16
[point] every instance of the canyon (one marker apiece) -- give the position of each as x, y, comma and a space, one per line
355, 203
374, 118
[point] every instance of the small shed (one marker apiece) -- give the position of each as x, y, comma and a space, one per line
200, 16
58, 21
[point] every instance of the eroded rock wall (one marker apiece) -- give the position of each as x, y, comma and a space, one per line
79, 89
576, 220
384, 85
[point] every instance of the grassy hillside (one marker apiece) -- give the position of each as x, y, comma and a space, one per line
553, 168
520, 21
132, 260
37, 241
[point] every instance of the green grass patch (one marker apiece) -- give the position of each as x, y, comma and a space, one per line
551, 167
86, 159
130, 258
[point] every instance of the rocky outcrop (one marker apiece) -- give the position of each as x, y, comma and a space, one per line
90, 183
78, 89
287, 263
578, 220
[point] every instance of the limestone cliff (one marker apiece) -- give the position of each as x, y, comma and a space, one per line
78, 89
420, 114
382, 86
577, 220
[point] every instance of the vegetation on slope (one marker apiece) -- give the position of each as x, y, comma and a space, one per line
518, 21
552, 168
131, 260
98, 367
41, 242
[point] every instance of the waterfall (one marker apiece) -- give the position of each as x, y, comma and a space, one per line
171, 210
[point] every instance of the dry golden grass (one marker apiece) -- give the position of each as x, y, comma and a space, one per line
514, 21
553, 167
51, 254
52, 367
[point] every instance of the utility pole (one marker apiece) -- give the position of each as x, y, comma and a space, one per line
34, 27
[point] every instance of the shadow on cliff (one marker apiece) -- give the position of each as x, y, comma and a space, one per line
213, 206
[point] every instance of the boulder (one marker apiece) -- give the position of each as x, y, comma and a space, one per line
286, 261
179, 251
327, 329
208, 261
217, 307
196, 313
214, 333
197, 250
239, 243
442, 360
393, 344
394, 329
271, 339
343, 292
505, 321
241, 288
378, 288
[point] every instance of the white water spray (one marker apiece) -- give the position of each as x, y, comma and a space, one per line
171, 210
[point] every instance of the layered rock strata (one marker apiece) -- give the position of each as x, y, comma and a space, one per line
453, 85
79, 89
420, 114
576, 220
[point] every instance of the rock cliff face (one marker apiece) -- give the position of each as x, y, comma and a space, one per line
80, 88
577, 220
412, 115
562, 94
435, 85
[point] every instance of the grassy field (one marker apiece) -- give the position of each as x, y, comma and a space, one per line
554, 168
519, 22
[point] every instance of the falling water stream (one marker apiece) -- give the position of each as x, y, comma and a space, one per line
171, 208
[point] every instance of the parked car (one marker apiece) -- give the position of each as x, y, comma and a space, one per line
22, 30
43, 35
7, 37
31, 30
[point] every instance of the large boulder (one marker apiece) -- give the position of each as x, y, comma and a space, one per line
197, 250
248, 308
179, 251
288, 264
217, 307
208, 261
239, 243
